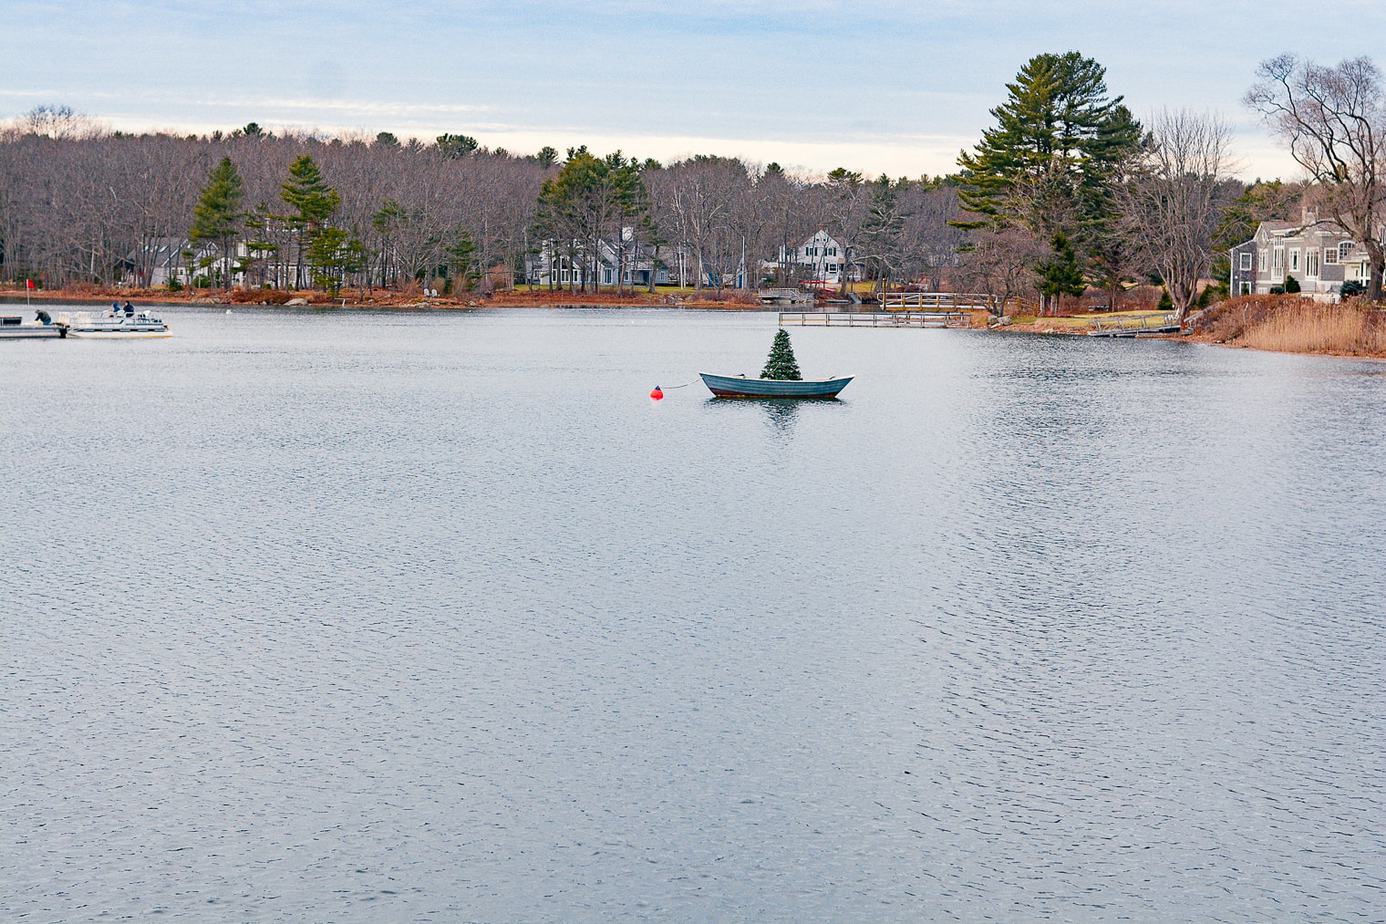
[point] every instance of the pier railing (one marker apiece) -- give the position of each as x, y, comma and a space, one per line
1132, 325
937, 301
872, 318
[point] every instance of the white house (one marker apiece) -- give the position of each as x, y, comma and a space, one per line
821, 258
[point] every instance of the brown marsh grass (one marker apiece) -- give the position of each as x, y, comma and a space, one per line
1290, 324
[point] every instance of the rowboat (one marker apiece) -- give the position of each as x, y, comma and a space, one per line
738, 386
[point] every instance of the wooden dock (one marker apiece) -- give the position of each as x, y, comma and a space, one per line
921, 319
1134, 326
937, 301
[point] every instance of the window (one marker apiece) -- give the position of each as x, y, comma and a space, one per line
1261, 261
1345, 248
1294, 260
831, 251
1246, 259
1330, 256
1246, 287
1278, 261
1311, 263
606, 275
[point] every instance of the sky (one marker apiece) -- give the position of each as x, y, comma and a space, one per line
873, 85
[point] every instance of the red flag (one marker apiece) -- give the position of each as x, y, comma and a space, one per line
28, 283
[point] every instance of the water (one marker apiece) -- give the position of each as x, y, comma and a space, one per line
372, 617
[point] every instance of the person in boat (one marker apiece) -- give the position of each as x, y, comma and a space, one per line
43, 317
129, 309
115, 309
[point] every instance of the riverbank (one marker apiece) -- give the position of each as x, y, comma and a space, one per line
728, 300
1276, 323
1291, 324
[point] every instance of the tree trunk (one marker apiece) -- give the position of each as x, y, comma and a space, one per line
1377, 258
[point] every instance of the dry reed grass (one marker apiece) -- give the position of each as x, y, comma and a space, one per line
1291, 324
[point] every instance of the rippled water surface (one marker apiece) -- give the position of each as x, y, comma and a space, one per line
369, 617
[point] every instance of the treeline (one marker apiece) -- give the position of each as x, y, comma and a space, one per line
78, 204
1066, 193
1069, 191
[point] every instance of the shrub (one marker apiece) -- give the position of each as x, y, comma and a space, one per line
174, 285
1212, 293
1277, 290
1166, 303
1352, 288
1291, 285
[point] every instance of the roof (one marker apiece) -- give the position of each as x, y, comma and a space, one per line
1319, 224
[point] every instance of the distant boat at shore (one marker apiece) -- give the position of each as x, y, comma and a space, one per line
142, 325
738, 386
14, 327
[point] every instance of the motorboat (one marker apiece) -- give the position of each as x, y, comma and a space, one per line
115, 325
14, 327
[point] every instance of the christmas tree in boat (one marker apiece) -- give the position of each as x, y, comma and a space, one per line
779, 379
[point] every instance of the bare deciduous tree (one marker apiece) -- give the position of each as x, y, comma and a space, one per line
1334, 120
1172, 202
1001, 264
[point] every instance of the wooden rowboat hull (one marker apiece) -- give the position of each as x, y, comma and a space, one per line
735, 386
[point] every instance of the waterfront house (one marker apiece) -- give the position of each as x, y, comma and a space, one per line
820, 259
552, 264
1320, 254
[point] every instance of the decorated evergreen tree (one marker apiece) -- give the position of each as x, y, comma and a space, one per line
781, 363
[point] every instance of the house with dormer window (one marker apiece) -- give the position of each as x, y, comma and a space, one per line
821, 259
1320, 254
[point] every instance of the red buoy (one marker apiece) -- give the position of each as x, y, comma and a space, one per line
657, 394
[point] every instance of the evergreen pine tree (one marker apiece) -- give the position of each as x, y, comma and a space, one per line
462, 259
455, 146
1291, 285
1061, 274
781, 363
334, 255
1052, 147
313, 202
308, 194
1166, 303
881, 231
217, 216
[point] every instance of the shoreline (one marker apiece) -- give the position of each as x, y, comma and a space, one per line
379, 300
1055, 326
